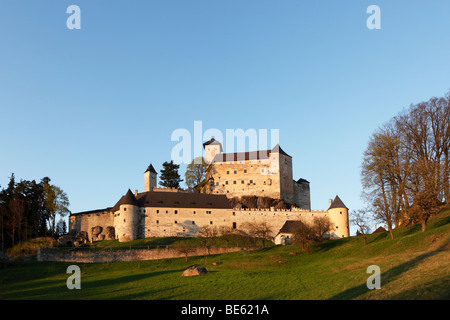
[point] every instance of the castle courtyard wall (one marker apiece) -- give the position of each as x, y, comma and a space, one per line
85, 222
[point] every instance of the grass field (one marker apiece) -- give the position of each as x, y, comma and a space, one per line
415, 265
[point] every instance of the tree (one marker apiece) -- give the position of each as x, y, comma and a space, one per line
27, 207
303, 233
360, 220
56, 202
196, 175
185, 248
16, 218
207, 236
227, 234
259, 230
379, 172
61, 227
169, 175
405, 172
321, 225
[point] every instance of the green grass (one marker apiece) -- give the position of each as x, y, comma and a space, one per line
415, 265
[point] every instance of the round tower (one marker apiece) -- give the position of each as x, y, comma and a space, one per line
126, 218
338, 214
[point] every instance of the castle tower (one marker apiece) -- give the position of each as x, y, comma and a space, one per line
338, 214
212, 147
126, 218
283, 162
150, 178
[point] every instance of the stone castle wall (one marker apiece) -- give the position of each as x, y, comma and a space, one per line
86, 222
239, 178
186, 222
88, 256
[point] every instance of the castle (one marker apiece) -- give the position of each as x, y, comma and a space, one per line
162, 212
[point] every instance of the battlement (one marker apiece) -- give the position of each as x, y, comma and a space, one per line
272, 209
159, 189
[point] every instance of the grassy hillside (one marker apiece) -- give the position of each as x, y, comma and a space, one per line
415, 265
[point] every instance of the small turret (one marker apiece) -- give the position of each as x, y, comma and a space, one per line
150, 177
212, 147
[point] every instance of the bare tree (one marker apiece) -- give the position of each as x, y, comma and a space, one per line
361, 220
303, 233
259, 230
405, 172
185, 248
320, 226
208, 237
227, 234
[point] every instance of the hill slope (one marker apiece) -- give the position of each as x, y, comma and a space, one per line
415, 265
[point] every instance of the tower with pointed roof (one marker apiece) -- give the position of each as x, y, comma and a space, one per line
338, 213
150, 177
126, 217
212, 147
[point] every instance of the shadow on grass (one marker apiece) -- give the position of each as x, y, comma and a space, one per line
56, 289
388, 276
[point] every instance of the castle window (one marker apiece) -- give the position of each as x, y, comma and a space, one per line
251, 181
217, 183
234, 213
176, 211
176, 222
157, 211
123, 220
193, 222
337, 227
124, 209
235, 171
157, 221
242, 182
167, 211
228, 172
210, 222
234, 225
194, 212
226, 182
234, 182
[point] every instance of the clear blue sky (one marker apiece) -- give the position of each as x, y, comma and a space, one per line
91, 108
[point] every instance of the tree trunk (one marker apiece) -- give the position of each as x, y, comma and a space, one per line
424, 225
391, 233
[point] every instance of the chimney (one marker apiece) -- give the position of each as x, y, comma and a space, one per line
374, 227
330, 201
135, 193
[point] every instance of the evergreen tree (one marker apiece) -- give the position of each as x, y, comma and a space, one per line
169, 175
